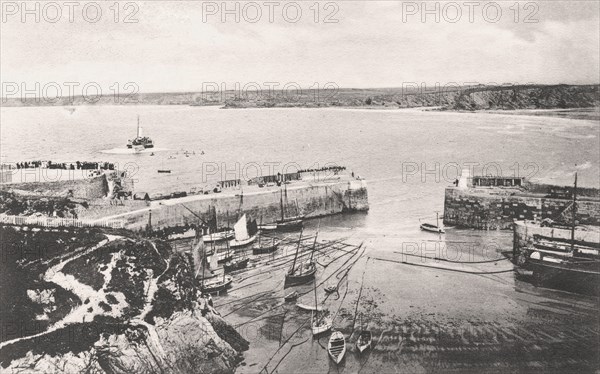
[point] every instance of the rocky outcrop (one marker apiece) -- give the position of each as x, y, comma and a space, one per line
138, 311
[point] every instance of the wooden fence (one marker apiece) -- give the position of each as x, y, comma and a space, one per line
59, 222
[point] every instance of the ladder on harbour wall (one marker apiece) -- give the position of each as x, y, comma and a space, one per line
59, 222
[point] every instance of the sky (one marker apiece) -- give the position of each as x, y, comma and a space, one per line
187, 45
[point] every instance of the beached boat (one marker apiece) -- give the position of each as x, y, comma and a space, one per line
216, 233
268, 227
218, 236
263, 247
291, 296
289, 223
336, 347
433, 228
217, 285
209, 282
242, 235
575, 265
330, 289
303, 273
365, 339
240, 262
234, 265
320, 322
309, 307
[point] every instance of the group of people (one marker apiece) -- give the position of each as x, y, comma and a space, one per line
78, 165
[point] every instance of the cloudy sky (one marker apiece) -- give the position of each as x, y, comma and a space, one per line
179, 45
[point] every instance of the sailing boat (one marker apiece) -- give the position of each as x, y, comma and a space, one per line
305, 272
578, 265
336, 347
244, 236
434, 228
320, 321
262, 247
214, 285
140, 142
289, 223
216, 234
226, 256
239, 263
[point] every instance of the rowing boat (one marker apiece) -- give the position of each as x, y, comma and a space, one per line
337, 347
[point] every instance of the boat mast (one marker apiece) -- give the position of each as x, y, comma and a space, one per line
574, 215
138, 126
281, 203
297, 249
203, 260
437, 219
315, 242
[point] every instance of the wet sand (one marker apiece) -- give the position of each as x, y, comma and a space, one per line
423, 319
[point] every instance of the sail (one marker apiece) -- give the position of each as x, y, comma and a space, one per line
252, 227
139, 132
201, 266
241, 229
214, 261
198, 255
212, 221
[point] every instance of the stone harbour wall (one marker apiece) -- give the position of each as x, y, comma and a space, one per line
312, 201
491, 210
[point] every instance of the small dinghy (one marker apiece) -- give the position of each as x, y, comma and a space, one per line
433, 228
291, 296
365, 338
320, 322
164, 171
309, 307
337, 347
330, 289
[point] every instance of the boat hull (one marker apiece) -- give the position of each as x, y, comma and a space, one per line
292, 225
322, 325
218, 236
217, 287
432, 228
263, 250
337, 347
365, 338
293, 279
236, 265
241, 243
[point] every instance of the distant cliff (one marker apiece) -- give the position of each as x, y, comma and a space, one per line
455, 98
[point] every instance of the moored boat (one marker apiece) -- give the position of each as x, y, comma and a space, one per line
218, 236
437, 228
244, 233
303, 273
320, 322
337, 347
309, 307
140, 142
234, 265
265, 249
365, 339
217, 285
